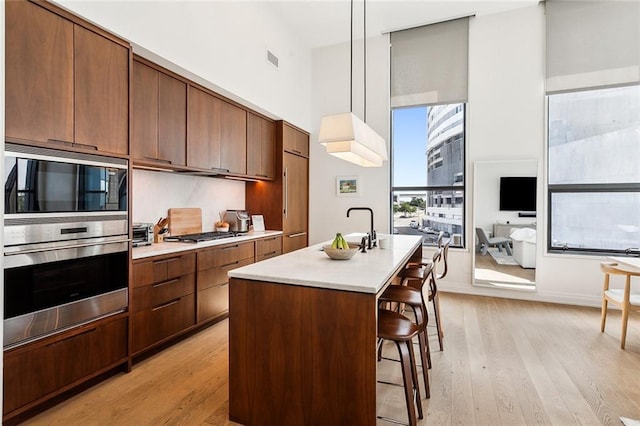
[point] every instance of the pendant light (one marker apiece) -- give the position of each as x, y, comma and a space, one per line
346, 136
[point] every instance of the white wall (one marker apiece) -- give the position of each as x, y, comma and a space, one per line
222, 42
156, 192
486, 182
330, 95
505, 121
222, 46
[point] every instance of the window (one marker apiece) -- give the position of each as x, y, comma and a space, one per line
428, 172
429, 67
594, 170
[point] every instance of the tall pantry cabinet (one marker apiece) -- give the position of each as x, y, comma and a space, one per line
284, 202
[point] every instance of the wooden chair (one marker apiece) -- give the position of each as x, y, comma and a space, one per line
411, 293
443, 245
399, 329
624, 298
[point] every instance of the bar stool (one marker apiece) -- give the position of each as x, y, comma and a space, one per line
623, 298
412, 295
433, 290
399, 329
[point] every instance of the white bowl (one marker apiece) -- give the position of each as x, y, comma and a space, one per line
222, 229
341, 254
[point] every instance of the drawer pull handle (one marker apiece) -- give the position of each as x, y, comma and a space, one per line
175, 280
172, 259
162, 160
299, 234
86, 146
60, 142
166, 305
230, 264
73, 337
231, 248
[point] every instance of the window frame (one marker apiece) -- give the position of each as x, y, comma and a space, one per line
428, 188
579, 188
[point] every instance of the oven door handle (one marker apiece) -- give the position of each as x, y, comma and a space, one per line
50, 254
74, 246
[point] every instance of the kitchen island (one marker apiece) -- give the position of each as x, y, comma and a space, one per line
302, 335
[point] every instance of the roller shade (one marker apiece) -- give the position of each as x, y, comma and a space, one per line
592, 44
429, 64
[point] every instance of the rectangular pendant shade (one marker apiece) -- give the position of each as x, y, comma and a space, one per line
349, 138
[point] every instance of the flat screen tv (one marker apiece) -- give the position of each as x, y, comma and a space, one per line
518, 194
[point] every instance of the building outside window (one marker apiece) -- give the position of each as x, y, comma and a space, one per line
428, 172
594, 170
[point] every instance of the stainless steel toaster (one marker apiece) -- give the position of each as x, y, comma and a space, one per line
238, 220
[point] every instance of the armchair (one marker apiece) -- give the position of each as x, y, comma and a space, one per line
486, 242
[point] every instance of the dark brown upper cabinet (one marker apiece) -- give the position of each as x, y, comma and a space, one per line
294, 141
64, 83
159, 117
261, 147
217, 134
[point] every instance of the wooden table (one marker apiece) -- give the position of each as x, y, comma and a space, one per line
302, 335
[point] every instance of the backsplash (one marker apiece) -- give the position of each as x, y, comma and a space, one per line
155, 192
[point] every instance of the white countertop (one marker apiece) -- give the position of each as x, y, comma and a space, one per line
365, 272
175, 247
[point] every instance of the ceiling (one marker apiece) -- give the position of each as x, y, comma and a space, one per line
326, 22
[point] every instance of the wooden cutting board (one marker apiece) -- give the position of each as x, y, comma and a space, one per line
185, 221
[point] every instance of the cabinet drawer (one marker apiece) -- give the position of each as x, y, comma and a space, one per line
295, 241
213, 302
222, 256
163, 269
218, 275
156, 294
268, 255
152, 325
268, 245
30, 374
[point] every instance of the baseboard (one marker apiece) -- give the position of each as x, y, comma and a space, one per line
534, 296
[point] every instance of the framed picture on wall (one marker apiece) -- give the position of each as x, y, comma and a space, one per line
348, 186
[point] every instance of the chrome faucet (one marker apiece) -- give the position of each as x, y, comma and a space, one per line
371, 236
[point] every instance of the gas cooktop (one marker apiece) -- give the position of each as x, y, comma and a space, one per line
203, 236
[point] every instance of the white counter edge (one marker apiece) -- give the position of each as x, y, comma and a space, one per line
176, 247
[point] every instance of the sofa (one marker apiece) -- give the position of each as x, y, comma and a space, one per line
524, 246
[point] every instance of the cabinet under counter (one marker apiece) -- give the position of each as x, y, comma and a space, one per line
318, 355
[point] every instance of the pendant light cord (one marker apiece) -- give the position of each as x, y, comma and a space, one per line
365, 60
364, 64
351, 64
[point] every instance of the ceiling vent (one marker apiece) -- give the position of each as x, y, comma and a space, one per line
272, 59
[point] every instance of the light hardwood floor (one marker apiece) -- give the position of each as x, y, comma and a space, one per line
505, 362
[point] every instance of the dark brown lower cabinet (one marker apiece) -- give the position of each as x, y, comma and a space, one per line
163, 302
212, 280
213, 301
294, 241
151, 326
36, 372
268, 247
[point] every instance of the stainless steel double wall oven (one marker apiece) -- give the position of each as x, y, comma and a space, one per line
65, 240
